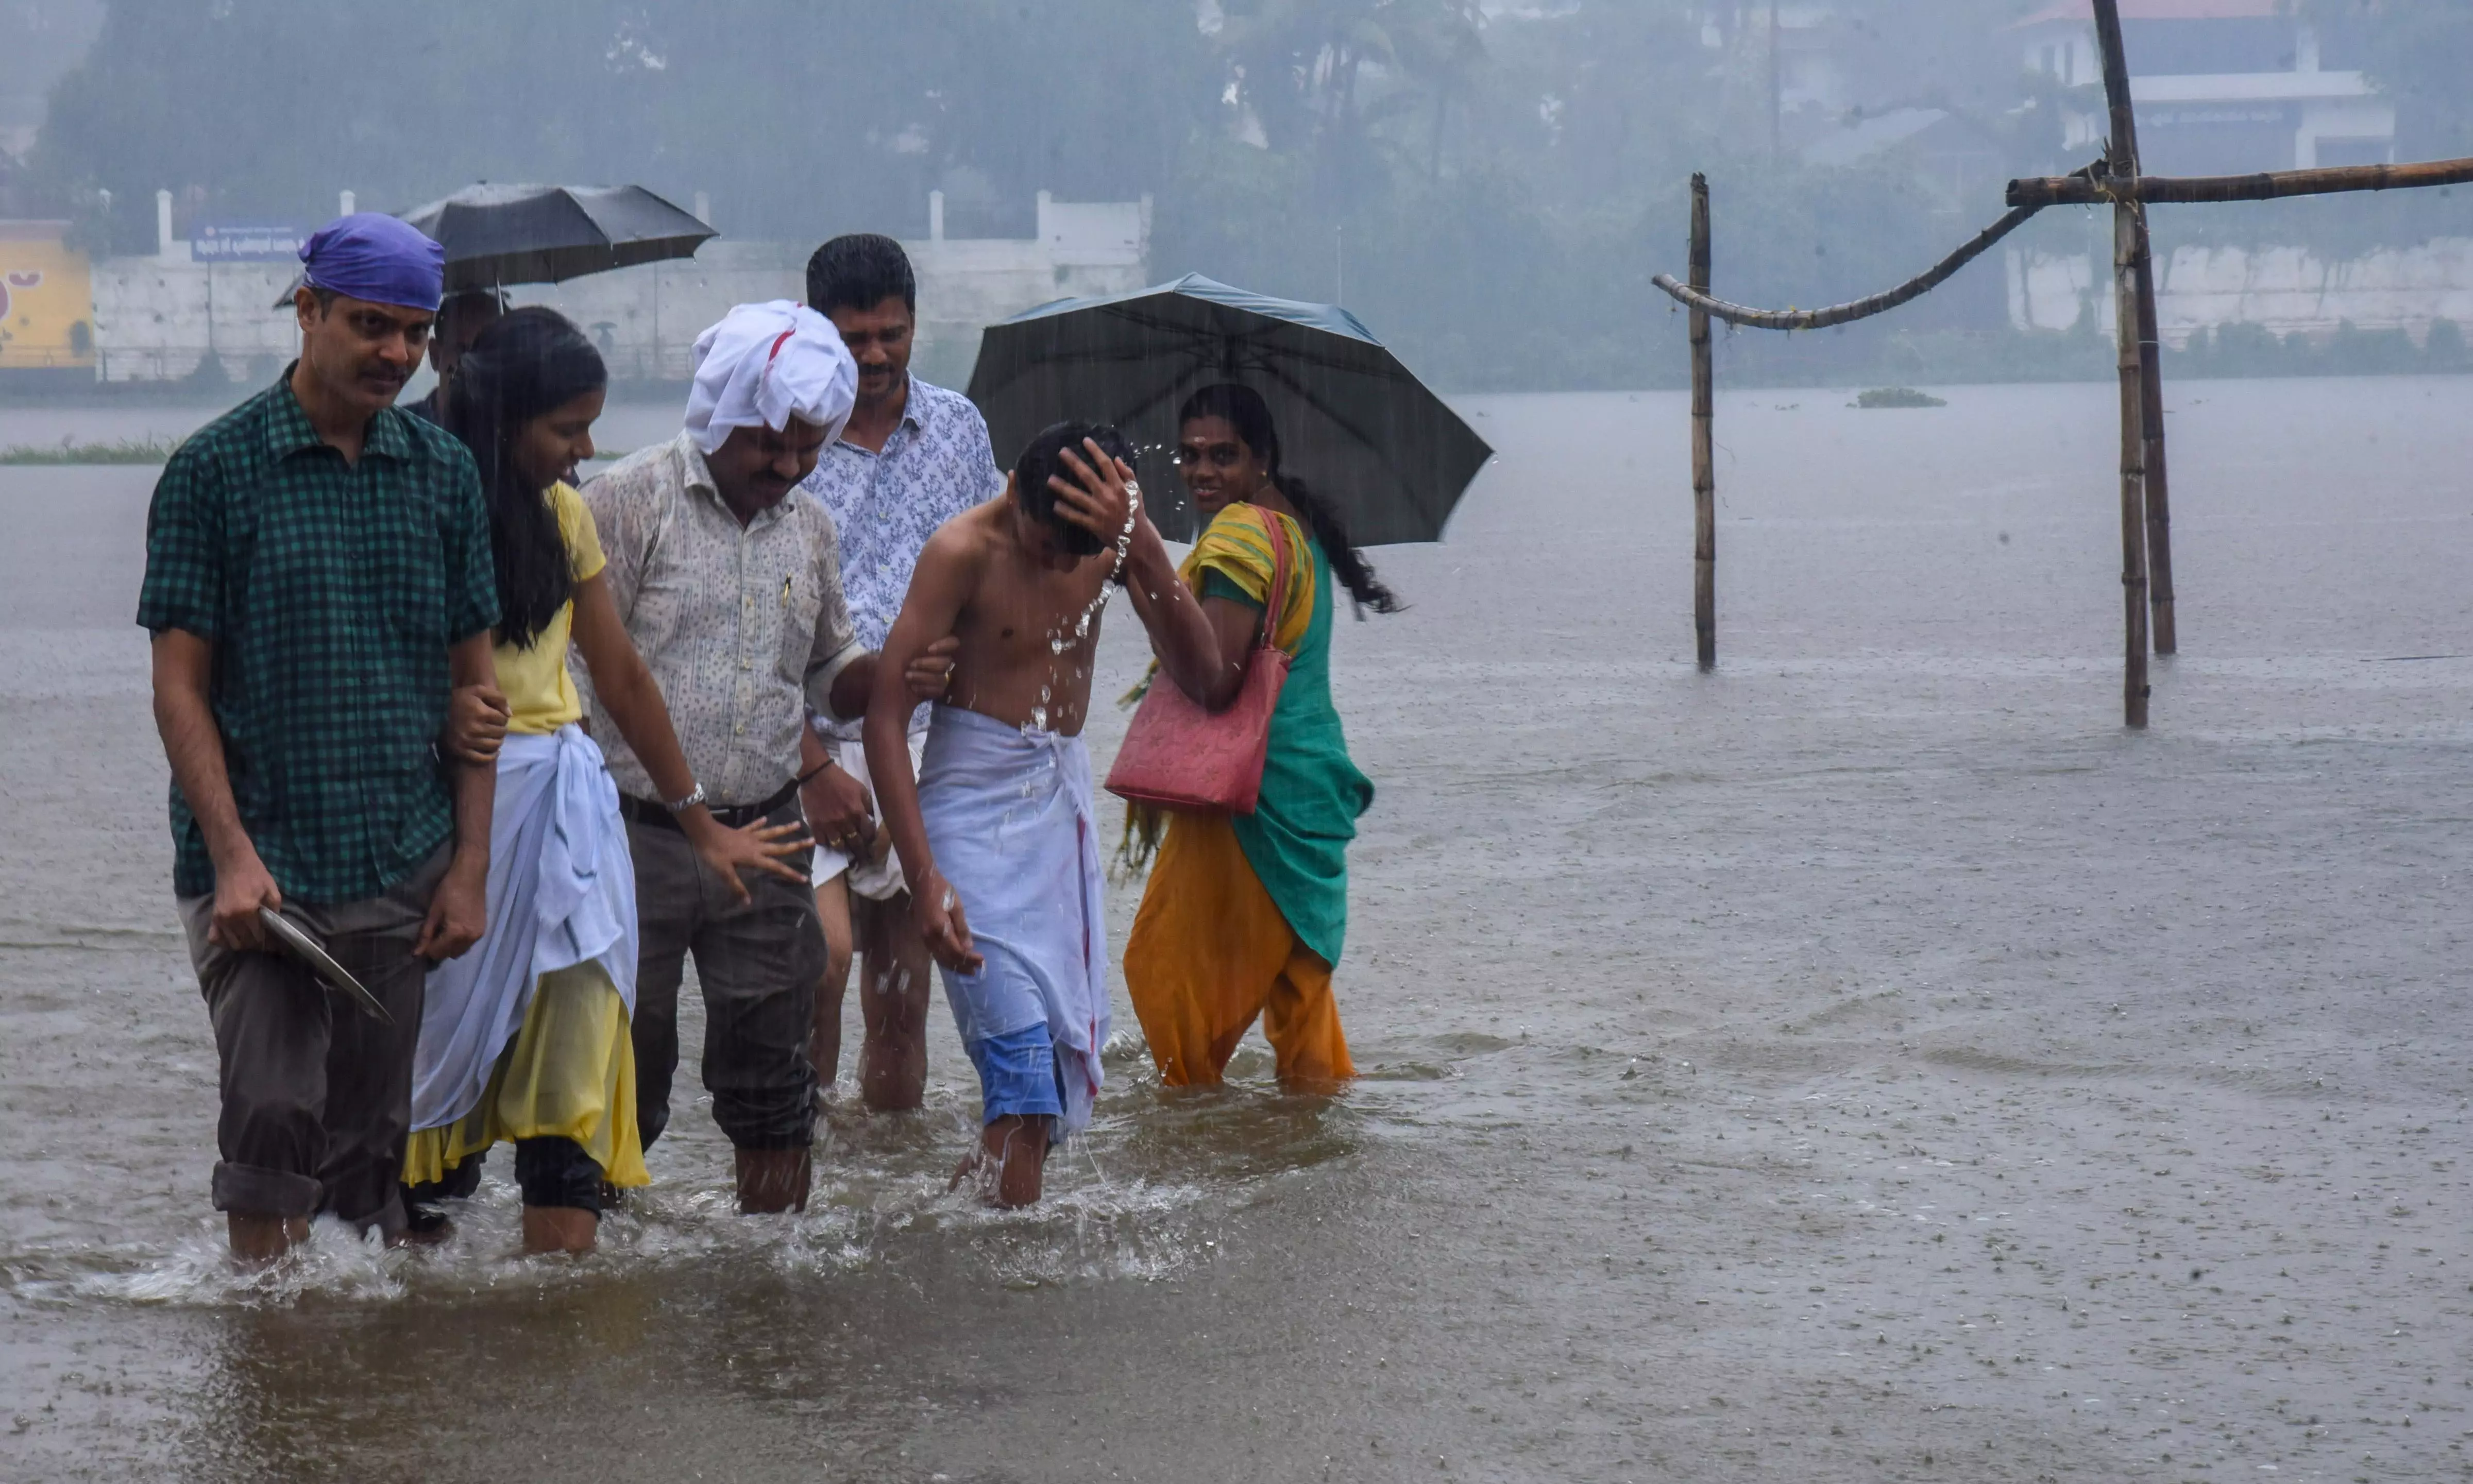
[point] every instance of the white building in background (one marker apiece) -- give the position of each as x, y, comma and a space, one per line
157, 318
2229, 87
2283, 289
646, 319
2222, 86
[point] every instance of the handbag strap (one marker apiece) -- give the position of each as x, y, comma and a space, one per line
1275, 608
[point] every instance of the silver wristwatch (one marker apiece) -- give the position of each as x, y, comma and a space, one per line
681, 805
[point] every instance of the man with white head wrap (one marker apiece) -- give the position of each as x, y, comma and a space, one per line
730, 584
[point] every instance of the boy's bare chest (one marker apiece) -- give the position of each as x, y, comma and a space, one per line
1020, 620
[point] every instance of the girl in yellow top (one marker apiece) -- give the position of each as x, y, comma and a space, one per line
525, 1036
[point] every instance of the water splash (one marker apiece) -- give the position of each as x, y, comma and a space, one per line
336, 1263
1063, 637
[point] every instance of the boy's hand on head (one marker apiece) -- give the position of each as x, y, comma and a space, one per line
1101, 497
476, 724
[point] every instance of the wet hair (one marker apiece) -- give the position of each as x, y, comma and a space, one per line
861, 271
1045, 456
487, 303
1251, 417
530, 363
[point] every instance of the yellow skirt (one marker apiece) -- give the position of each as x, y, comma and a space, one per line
571, 1074
1210, 953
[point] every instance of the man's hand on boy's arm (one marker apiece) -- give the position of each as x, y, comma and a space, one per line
476, 725
925, 674
931, 669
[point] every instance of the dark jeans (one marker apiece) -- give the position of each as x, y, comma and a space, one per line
317, 1096
758, 967
550, 1170
456, 1184
556, 1172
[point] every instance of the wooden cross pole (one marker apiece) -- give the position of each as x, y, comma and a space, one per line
1704, 463
2150, 344
2087, 190
2129, 253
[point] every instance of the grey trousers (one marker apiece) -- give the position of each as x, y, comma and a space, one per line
317, 1096
759, 966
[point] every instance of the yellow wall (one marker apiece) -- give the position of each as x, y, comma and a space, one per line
46, 299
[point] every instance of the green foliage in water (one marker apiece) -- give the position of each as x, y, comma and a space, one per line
119, 450
1897, 396
2236, 350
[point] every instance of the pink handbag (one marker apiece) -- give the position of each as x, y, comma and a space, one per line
1177, 755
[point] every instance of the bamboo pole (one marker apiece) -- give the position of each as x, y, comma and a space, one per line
2158, 488
2268, 185
1704, 464
2133, 467
2122, 158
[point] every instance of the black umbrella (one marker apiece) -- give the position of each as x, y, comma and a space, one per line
1353, 424
501, 235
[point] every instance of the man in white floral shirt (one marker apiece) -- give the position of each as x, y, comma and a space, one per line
912, 456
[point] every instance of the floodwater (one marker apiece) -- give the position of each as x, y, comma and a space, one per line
1864, 1062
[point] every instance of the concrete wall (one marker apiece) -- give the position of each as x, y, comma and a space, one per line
157, 318
2283, 289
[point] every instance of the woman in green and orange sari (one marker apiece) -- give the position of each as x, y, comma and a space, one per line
1244, 915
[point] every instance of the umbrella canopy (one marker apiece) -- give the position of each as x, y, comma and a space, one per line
500, 234
1353, 424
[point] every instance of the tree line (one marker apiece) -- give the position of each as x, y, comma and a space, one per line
1491, 188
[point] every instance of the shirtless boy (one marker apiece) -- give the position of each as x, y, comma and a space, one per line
996, 829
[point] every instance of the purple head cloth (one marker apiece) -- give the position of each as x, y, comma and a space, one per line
372, 255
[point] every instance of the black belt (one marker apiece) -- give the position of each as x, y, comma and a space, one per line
736, 815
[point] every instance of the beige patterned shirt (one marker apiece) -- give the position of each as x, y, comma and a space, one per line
744, 627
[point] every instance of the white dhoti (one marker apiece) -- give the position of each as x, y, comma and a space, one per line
561, 892
1009, 816
876, 878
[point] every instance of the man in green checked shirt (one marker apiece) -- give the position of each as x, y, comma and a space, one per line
319, 574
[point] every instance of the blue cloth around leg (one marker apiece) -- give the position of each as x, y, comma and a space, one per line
1018, 1075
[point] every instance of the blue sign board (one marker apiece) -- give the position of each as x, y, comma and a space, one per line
220, 243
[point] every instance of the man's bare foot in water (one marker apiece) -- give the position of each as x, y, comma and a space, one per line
1007, 1164
261, 1241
